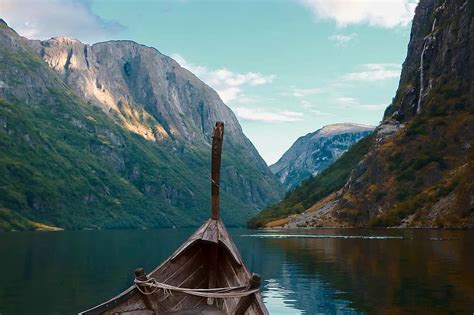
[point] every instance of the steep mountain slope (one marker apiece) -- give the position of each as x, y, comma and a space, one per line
419, 169
136, 157
314, 152
313, 189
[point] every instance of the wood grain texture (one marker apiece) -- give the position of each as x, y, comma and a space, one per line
208, 259
191, 266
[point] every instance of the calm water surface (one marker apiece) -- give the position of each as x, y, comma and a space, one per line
329, 271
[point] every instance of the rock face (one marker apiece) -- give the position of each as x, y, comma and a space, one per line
150, 94
312, 153
419, 167
422, 154
143, 90
115, 135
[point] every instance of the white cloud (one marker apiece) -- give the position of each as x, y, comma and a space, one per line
384, 13
342, 39
311, 108
299, 92
375, 72
346, 102
228, 84
374, 107
353, 103
306, 104
253, 99
319, 113
42, 19
305, 92
258, 114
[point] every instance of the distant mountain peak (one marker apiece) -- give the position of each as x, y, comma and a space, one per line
312, 153
64, 39
417, 168
339, 128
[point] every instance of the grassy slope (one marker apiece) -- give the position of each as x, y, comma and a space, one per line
64, 163
316, 188
423, 176
429, 161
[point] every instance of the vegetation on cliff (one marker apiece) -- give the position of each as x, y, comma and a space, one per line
316, 188
418, 169
66, 163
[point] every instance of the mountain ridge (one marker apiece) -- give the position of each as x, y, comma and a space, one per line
418, 166
312, 153
53, 132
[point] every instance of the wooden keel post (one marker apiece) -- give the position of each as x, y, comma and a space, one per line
141, 276
246, 301
217, 139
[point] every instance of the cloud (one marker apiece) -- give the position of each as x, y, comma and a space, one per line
342, 39
346, 102
298, 92
375, 72
306, 104
319, 113
383, 13
353, 103
228, 84
258, 114
311, 108
374, 107
41, 19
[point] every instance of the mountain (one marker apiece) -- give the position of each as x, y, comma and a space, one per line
115, 135
314, 152
419, 164
312, 190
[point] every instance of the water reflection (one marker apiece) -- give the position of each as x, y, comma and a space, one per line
327, 271
382, 271
279, 300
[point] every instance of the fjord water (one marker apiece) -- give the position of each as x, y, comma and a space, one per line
328, 271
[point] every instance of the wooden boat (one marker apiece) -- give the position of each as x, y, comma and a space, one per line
206, 275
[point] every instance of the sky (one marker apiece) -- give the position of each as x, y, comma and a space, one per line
285, 67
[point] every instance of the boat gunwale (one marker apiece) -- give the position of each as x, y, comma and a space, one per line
196, 237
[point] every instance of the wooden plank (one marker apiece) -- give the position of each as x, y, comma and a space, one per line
190, 301
213, 258
246, 301
211, 233
229, 277
228, 304
196, 236
186, 259
225, 238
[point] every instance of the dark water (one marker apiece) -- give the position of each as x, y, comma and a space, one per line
329, 271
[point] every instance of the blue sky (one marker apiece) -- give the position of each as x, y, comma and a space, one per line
286, 67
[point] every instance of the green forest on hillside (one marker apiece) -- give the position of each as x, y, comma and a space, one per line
314, 189
64, 163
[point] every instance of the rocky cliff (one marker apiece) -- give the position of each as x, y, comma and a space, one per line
314, 152
115, 135
143, 90
419, 166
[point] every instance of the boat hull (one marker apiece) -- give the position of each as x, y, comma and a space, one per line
208, 259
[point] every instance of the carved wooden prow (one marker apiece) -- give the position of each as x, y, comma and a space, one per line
217, 138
